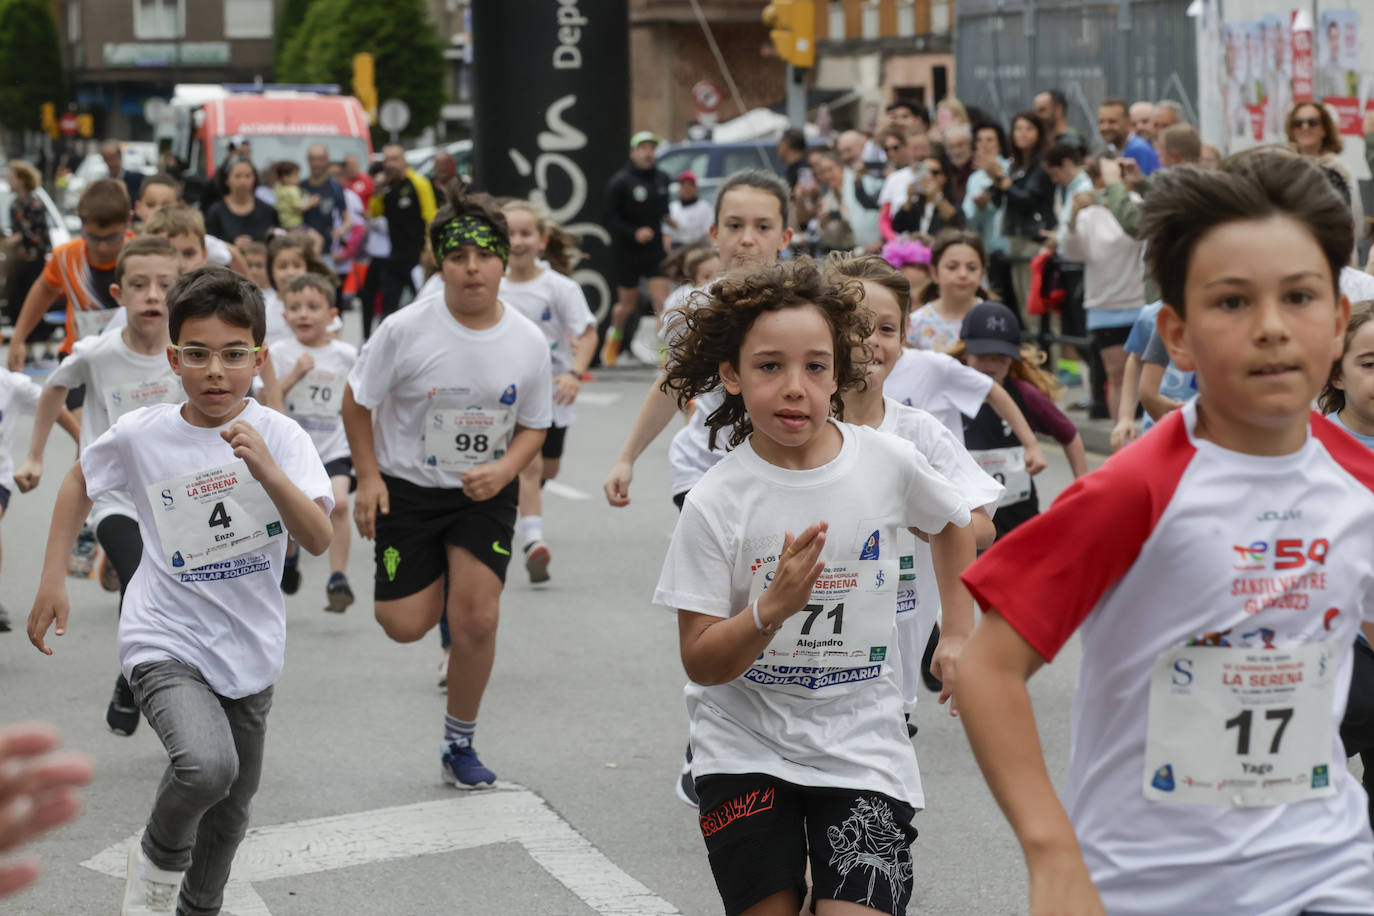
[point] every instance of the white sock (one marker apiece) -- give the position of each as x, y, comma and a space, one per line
532, 528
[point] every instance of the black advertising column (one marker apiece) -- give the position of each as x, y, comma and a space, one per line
552, 113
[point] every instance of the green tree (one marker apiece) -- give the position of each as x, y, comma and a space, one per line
30, 63
293, 13
398, 34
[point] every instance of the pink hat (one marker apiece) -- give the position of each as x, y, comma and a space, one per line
900, 252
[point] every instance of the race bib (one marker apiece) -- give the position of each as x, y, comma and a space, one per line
91, 322
121, 399
847, 623
210, 516
457, 439
318, 396
1007, 466
1237, 727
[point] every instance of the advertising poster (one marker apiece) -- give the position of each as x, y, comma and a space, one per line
1278, 75
1304, 72
1233, 80
1338, 68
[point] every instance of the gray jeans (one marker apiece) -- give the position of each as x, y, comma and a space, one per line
201, 810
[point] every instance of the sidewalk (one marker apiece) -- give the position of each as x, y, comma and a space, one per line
1096, 434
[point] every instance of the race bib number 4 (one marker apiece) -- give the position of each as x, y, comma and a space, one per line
1237, 727
318, 396
458, 439
210, 516
124, 398
1007, 466
847, 623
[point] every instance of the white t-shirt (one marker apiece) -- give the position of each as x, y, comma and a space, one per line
226, 619
316, 400
1356, 284
18, 397
421, 360
690, 454
830, 727
693, 220
277, 328
918, 594
940, 385
217, 251
559, 307
929, 330
1196, 545
896, 188
117, 381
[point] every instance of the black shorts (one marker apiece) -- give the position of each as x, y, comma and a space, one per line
1103, 338
553, 442
4, 499
342, 467
411, 538
637, 262
760, 831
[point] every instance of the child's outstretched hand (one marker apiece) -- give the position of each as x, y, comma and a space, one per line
799, 565
250, 448
49, 605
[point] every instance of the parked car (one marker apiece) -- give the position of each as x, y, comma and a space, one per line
422, 159
713, 162
60, 228
137, 157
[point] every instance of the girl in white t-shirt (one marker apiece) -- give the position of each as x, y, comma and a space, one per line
559, 307
958, 263
288, 256
783, 574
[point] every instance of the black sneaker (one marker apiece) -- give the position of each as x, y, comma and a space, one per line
933, 683
336, 591
291, 575
686, 787
122, 716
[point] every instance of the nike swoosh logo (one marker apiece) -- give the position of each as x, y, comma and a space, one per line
496, 546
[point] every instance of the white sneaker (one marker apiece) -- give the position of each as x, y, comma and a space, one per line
148, 889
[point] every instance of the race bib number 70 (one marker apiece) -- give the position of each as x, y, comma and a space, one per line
212, 515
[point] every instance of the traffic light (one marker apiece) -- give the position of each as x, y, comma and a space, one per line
792, 25
365, 83
48, 119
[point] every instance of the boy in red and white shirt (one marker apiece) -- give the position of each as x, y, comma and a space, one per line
1231, 568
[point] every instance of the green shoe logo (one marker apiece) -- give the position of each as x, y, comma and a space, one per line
391, 558
496, 546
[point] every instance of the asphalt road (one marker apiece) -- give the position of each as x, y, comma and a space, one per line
583, 721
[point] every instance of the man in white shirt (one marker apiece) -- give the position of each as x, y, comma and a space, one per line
689, 216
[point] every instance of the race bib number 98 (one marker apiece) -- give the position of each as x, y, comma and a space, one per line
846, 624
456, 439
210, 516
1238, 727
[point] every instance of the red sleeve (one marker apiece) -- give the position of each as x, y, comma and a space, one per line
1350, 453
1047, 576
1043, 415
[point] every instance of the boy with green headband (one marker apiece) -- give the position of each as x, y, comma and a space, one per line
449, 399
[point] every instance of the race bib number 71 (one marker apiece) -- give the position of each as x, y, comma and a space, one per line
847, 623
212, 515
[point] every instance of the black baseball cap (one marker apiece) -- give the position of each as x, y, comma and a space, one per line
991, 327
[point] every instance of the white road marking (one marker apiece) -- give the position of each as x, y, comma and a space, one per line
508, 813
597, 398
563, 490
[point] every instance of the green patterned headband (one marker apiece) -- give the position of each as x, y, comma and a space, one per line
468, 230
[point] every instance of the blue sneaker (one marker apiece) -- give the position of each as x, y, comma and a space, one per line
463, 770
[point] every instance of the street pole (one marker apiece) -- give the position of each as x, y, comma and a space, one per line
796, 96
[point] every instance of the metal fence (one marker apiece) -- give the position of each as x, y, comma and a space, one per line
1008, 50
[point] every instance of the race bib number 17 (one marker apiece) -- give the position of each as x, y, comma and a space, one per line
212, 515
1239, 727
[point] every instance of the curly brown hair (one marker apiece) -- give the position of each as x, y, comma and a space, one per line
718, 319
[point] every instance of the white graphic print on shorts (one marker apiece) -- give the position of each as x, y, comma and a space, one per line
871, 842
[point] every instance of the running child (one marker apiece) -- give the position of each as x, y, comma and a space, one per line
793, 533
912, 258
20, 396
1228, 576
751, 225
154, 193
203, 627
1348, 402
448, 401
887, 298
288, 256
557, 305
313, 367
255, 256
700, 266
121, 372
992, 345
958, 265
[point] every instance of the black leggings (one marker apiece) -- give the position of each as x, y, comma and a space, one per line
119, 537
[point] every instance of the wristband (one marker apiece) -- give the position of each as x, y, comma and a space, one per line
758, 623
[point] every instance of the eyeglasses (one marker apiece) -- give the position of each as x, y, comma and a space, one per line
1307, 122
230, 357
